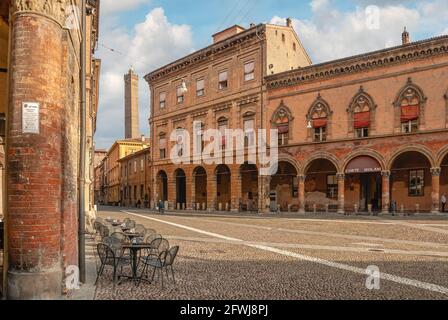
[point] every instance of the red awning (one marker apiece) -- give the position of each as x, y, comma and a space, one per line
363, 164
409, 113
283, 129
362, 120
319, 123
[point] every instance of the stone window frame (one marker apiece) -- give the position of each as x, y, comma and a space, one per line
162, 133
446, 108
397, 106
351, 112
319, 103
247, 116
283, 109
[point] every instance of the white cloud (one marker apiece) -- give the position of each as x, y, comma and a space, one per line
151, 44
109, 6
332, 34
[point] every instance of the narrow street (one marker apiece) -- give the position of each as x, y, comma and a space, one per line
252, 257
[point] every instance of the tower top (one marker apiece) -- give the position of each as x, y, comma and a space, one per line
405, 37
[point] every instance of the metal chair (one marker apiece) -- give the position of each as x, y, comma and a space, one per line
108, 257
130, 224
104, 231
149, 232
164, 260
139, 228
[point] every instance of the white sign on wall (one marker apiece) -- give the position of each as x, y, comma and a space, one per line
30, 117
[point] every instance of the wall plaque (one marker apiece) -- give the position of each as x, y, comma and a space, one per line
30, 117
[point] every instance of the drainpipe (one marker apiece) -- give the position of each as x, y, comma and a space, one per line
82, 154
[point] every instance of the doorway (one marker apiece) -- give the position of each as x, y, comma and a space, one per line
370, 192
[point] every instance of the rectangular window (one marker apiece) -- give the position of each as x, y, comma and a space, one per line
162, 100
142, 164
332, 187
223, 80
135, 166
249, 133
249, 71
2, 125
162, 147
200, 87
222, 129
416, 183
295, 187
362, 132
410, 126
283, 135
180, 94
320, 134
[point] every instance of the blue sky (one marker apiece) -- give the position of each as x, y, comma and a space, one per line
151, 33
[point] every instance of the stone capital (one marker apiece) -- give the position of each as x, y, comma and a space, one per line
435, 172
340, 176
301, 177
55, 9
385, 174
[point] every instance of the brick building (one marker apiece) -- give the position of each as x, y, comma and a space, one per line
355, 134
364, 132
40, 71
225, 90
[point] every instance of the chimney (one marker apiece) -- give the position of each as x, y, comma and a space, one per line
143, 138
252, 25
405, 37
289, 22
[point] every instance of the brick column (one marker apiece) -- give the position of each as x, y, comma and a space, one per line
211, 193
264, 190
42, 167
385, 191
236, 189
341, 193
435, 191
193, 191
301, 178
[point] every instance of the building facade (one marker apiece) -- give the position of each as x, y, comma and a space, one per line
220, 87
113, 194
40, 72
365, 133
136, 178
361, 134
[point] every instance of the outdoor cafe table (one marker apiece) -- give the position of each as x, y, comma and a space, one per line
135, 248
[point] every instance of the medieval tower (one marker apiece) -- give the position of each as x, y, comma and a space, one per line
131, 105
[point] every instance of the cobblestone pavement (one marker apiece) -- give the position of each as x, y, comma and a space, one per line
318, 257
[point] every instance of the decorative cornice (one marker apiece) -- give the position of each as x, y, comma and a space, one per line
206, 53
386, 57
248, 100
54, 9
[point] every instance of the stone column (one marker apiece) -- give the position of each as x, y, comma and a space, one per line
42, 173
435, 191
264, 190
385, 191
341, 193
302, 201
193, 191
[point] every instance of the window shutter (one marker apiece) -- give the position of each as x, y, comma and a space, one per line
362, 120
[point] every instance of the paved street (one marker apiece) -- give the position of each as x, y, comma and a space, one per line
251, 257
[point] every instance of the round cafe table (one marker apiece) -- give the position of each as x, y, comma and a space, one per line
135, 249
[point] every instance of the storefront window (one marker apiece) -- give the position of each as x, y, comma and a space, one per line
417, 183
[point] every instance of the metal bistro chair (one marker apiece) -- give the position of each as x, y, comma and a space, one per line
139, 228
157, 246
164, 260
130, 224
104, 232
108, 257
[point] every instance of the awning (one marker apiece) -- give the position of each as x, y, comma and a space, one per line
362, 120
363, 164
283, 129
319, 123
409, 113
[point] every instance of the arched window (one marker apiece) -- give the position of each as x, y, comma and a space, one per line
361, 114
409, 108
319, 119
223, 124
281, 121
162, 145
